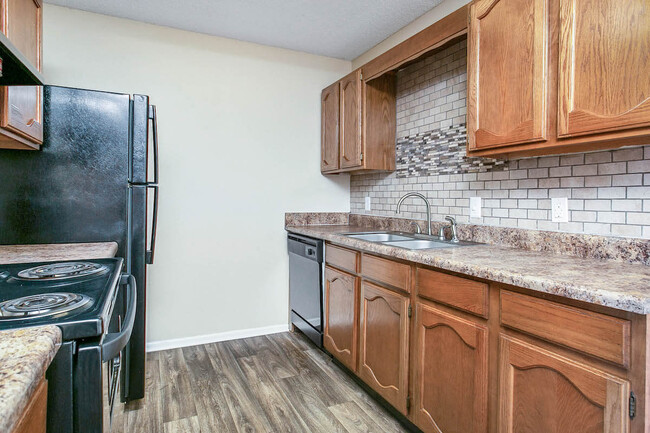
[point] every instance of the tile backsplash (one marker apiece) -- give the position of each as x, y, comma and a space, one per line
608, 191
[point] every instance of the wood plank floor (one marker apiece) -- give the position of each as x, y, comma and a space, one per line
274, 383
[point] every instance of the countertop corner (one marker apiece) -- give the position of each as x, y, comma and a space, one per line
25, 355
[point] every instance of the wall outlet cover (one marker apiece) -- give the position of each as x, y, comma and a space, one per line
475, 207
368, 203
560, 210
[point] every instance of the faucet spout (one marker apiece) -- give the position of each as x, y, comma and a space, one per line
426, 202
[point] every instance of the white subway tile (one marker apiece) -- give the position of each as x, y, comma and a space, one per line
628, 154
627, 180
611, 217
597, 229
627, 230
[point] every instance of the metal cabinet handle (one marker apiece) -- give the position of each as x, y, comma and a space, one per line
334, 279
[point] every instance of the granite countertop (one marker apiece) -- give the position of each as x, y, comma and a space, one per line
25, 354
56, 252
619, 285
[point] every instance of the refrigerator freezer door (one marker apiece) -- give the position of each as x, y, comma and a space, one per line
75, 189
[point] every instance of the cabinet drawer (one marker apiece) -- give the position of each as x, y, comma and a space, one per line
386, 271
592, 333
342, 258
462, 293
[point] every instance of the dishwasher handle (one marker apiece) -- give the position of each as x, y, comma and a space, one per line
308, 248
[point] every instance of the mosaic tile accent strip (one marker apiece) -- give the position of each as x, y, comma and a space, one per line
442, 151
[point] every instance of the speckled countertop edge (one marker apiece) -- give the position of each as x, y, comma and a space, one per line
618, 285
25, 355
56, 252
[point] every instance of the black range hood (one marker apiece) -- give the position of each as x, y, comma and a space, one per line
16, 69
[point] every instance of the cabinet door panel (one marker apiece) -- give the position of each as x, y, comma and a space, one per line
383, 362
507, 61
341, 316
21, 105
604, 66
22, 111
541, 392
330, 128
351, 120
450, 373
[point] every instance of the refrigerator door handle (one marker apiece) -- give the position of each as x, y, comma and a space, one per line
154, 133
152, 246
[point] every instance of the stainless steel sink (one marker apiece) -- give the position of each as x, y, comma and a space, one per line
409, 241
379, 236
423, 244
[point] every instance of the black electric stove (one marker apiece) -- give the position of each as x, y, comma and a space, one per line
78, 296
94, 305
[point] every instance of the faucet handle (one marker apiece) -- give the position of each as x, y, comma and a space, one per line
454, 232
417, 227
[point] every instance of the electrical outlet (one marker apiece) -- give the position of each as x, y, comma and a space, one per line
475, 207
368, 203
560, 210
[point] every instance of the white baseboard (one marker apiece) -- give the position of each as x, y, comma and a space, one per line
155, 346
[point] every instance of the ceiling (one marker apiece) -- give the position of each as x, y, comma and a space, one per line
343, 29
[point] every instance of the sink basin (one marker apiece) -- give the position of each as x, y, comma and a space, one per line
407, 240
422, 244
379, 237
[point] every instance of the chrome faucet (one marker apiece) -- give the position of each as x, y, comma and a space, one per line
417, 227
417, 194
454, 231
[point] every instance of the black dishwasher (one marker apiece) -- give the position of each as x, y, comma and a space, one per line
306, 285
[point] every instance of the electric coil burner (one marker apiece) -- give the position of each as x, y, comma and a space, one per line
59, 271
46, 304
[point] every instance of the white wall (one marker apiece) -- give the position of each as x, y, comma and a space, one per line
435, 14
239, 128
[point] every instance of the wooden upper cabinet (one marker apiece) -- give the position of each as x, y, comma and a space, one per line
604, 66
341, 316
507, 54
451, 373
21, 116
542, 392
383, 355
330, 128
557, 76
350, 122
365, 123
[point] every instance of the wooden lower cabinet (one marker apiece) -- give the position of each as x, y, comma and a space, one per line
542, 392
383, 355
515, 362
451, 373
341, 316
34, 417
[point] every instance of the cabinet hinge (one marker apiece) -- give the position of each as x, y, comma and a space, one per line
408, 402
632, 405
361, 74
410, 311
361, 157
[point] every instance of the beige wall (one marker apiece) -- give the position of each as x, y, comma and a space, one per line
435, 14
239, 128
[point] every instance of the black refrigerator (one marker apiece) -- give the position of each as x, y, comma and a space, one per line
90, 183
